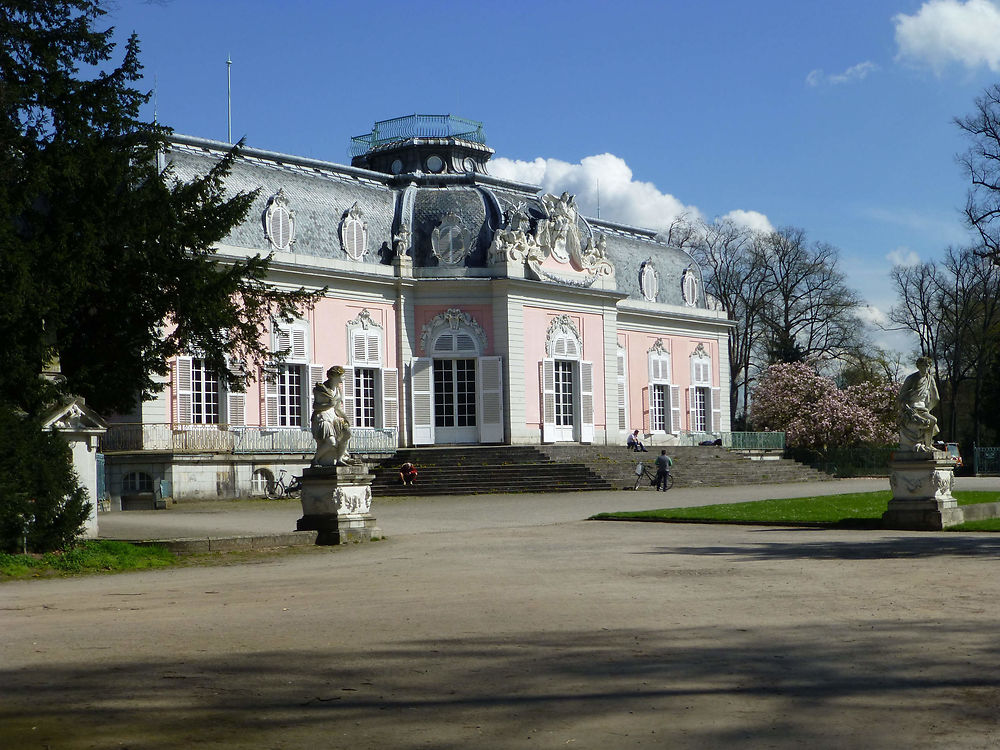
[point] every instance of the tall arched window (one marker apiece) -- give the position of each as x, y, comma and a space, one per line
567, 382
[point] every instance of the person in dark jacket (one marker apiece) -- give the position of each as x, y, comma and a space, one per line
663, 464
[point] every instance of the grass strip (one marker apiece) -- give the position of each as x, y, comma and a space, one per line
97, 556
857, 509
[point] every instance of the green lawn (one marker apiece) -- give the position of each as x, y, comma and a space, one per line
87, 557
859, 509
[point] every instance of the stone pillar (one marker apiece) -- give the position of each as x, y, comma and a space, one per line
921, 485
336, 502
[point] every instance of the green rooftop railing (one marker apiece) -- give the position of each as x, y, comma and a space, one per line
417, 126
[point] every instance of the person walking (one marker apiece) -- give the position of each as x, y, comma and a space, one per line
663, 464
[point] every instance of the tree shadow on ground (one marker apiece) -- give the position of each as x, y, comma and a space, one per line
822, 686
860, 548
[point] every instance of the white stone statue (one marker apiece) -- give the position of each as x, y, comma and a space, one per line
917, 396
330, 425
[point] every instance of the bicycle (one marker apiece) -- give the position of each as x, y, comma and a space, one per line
277, 489
644, 472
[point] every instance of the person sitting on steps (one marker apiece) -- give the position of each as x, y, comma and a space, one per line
408, 473
634, 444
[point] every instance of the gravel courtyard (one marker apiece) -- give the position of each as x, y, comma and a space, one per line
553, 633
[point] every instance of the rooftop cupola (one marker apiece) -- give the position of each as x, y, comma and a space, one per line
432, 144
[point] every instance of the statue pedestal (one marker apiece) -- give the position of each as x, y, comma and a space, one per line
921, 492
337, 502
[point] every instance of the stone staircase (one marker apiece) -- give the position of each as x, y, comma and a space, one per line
694, 466
471, 469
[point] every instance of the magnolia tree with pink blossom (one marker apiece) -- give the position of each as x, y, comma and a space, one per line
816, 415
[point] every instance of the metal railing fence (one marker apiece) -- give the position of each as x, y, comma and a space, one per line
417, 126
221, 438
986, 460
741, 441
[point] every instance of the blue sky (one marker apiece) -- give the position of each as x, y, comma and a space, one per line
834, 117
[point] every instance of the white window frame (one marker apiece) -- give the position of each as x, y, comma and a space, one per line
667, 420
293, 338
702, 373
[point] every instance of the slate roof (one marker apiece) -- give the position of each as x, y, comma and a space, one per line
320, 193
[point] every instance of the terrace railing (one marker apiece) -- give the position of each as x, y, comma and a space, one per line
740, 441
220, 438
417, 126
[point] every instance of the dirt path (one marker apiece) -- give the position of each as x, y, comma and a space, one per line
571, 634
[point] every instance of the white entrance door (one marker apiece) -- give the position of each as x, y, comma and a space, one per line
455, 419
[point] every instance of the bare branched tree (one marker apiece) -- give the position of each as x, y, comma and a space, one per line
981, 163
811, 312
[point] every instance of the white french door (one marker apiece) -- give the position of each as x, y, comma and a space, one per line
455, 417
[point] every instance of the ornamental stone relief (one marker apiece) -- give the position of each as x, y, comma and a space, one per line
454, 319
364, 321
556, 235
450, 240
561, 326
353, 500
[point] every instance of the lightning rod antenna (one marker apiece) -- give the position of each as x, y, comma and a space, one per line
229, 95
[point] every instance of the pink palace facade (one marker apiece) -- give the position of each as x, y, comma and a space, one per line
466, 309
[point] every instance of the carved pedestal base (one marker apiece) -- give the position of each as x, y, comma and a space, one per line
336, 502
921, 492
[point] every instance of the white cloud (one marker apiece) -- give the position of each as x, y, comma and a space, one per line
903, 256
873, 315
854, 73
754, 220
944, 31
622, 198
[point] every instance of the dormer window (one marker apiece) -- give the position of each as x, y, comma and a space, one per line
689, 287
354, 234
649, 281
279, 224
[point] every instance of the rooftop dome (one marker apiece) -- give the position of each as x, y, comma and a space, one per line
430, 144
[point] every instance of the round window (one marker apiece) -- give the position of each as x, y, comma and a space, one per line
435, 163
469, 164
397, 166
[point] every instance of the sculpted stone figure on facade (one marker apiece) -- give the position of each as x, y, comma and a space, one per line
917, 397
330, 425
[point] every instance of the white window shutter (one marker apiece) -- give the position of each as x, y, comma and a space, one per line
235, 401
316, 375
647, 422
374, 348
547, 374
182, 390
586, 402
622, 407
359, 348
348, 394
300, 347
282, 340
692, 417
675, 409
269, 393
422, 392
490, 400
390, 398
716, 410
